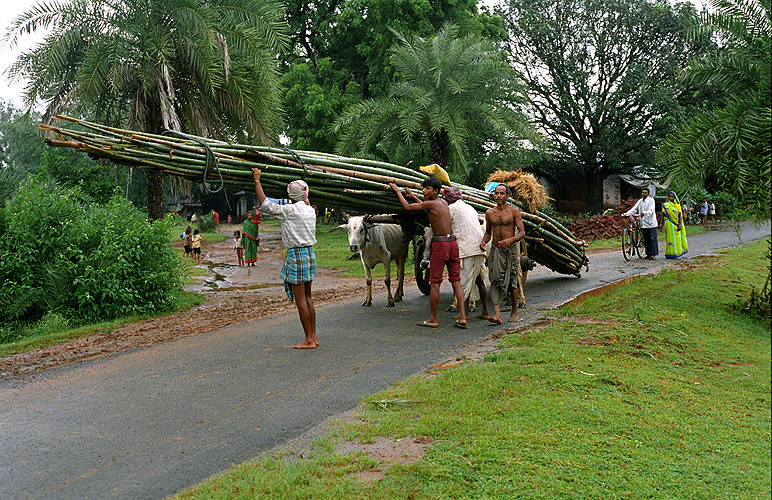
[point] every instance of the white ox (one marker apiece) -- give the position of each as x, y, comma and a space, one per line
379, 243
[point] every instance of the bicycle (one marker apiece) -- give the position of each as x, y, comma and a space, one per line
632, 239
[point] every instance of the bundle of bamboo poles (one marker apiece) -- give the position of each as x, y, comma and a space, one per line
353, 184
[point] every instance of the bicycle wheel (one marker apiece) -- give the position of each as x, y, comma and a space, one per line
628, 248
640, 247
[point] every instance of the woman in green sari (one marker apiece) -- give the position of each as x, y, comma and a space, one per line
675, 230
251, 238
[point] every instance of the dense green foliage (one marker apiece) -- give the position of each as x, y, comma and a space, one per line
83, 261
20, 144
453, 94
341, 51
731, 141
197, 66
602, 81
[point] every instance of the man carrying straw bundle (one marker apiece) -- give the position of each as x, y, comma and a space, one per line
504, 226
298, 233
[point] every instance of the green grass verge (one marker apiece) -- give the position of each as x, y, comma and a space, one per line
658, 389
210, 237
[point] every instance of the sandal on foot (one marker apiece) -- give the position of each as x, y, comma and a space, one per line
427, 324
458, 324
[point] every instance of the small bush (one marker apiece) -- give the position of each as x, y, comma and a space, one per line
206, 223
82, 261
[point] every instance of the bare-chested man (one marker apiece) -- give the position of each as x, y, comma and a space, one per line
444, 246
505, 225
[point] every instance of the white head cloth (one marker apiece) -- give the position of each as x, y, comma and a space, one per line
297, 190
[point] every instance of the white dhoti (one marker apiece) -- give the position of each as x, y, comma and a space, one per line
472, 267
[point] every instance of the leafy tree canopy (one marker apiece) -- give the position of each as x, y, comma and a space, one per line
731, 139
206, 67
20, 144
452, 95
345, 45
601, 77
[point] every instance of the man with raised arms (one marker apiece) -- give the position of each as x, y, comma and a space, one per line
444, 246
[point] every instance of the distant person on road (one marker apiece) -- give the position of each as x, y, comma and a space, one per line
712, 212
238, 245
469, 232
675, 230
704, 212
197, 237
504, 229
443, 245
251, 235
645, 209
719, 212
298, 233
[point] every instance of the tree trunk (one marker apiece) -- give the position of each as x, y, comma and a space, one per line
155, 194
593, 182
439, 151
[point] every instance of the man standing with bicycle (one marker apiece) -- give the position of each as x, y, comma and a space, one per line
645, 209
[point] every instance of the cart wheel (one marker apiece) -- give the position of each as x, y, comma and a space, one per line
421, 275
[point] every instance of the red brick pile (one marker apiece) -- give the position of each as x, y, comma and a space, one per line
602, 226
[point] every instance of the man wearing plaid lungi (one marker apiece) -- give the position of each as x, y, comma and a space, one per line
298, 233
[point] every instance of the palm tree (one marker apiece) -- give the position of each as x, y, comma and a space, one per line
206, 67
732, 140
453, 95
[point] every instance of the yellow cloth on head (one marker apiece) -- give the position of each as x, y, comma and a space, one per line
437, 171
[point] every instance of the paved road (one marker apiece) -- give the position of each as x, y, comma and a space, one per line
146, 423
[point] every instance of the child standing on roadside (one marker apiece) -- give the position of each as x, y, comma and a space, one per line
197, 244
239, 247
188, 242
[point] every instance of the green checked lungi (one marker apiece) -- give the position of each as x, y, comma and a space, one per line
299, 267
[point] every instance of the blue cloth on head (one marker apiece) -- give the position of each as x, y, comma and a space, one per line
491, 186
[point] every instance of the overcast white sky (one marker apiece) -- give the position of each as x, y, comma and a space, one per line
9, 11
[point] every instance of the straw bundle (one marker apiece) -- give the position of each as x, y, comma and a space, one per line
523, 186
354, 184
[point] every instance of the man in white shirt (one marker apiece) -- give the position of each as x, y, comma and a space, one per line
469, 233
645, 209
298, 233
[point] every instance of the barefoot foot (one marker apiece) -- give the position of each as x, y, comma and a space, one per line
305, 345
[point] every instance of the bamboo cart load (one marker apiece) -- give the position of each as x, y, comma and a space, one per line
353, 184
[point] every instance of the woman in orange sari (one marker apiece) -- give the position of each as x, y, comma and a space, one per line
251, 237
675, 230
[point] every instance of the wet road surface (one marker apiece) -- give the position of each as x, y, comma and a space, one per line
146, 423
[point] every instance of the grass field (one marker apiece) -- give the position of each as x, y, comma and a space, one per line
659, 389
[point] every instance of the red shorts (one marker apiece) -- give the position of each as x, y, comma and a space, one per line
444, 253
